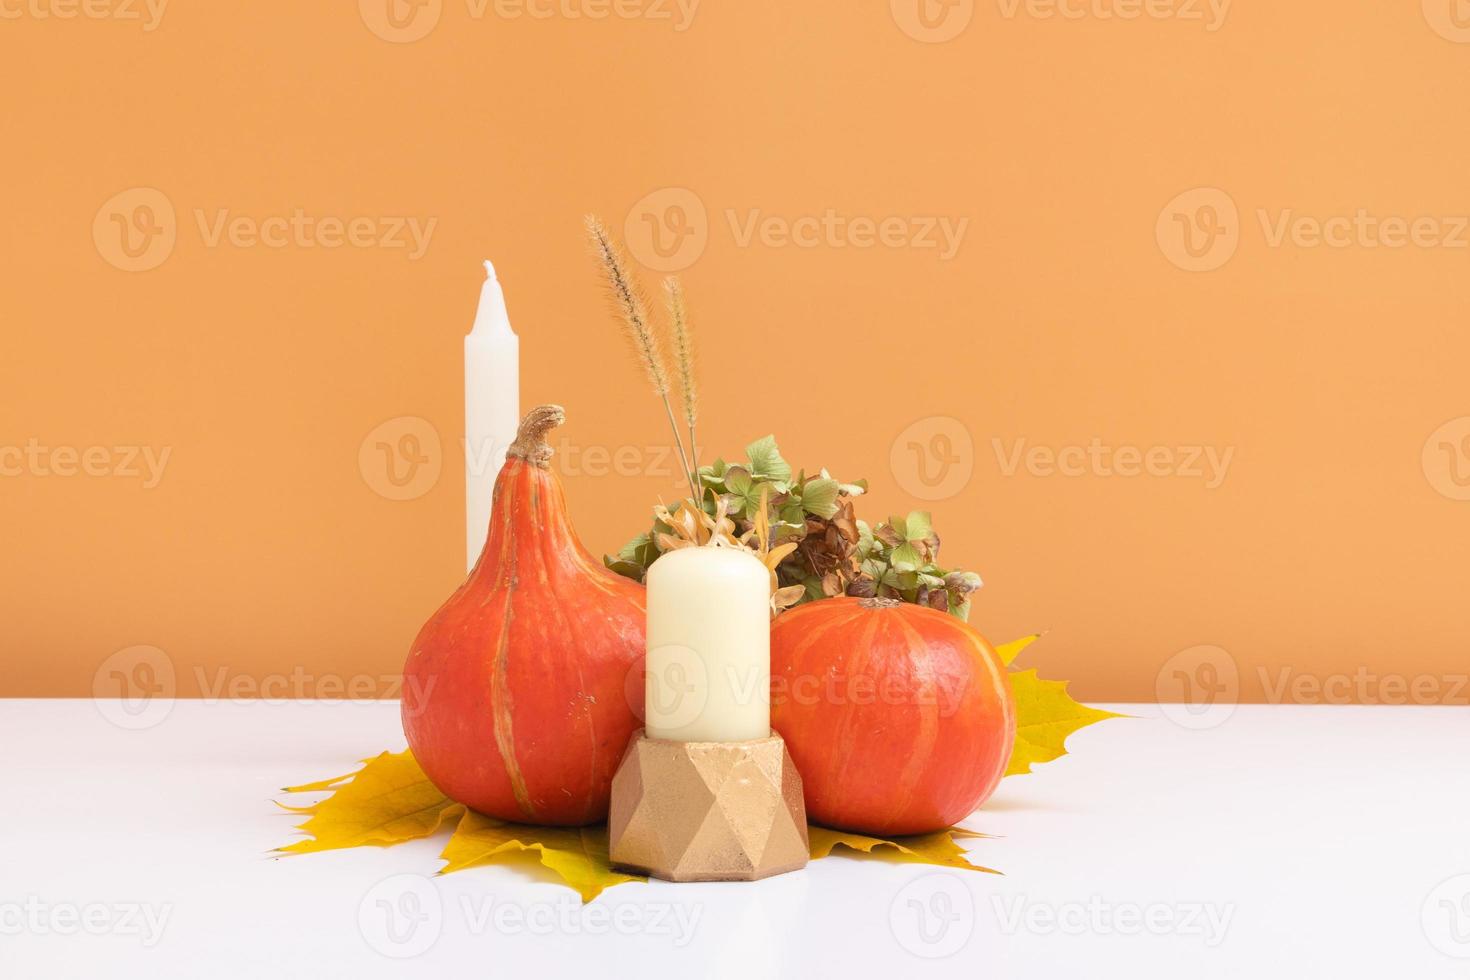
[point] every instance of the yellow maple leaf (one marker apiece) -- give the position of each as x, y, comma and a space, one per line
386, 802
322, 784
939, 848
577, 854
1009, 651
390, 801
1045, 716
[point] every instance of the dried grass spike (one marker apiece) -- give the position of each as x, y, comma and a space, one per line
628, 300
683, 349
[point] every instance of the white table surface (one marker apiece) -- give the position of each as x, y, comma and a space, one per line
1283, 842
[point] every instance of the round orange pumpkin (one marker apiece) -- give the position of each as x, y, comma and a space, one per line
900, 718
514, 696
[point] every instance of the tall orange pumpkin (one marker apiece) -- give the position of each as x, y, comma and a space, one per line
515, 695
899, 717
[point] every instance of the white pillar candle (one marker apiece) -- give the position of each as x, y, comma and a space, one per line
709, 646
492, 408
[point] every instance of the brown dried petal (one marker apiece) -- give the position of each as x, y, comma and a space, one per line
846, 529
787, 597
960, 583
845, 520
888, 535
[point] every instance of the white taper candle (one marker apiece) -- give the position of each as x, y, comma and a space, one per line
492, 407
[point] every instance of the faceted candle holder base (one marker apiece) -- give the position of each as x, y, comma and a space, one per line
707, 811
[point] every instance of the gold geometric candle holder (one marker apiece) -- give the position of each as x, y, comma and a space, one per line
707, 811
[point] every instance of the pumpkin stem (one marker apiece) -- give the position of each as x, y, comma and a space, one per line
879, 602
530, 443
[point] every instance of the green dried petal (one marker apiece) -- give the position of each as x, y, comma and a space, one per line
819, 496
765, 459
917, 526
906, 558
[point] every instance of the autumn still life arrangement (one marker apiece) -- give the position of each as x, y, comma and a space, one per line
758, 679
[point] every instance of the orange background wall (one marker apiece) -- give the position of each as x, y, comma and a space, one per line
1073, 308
